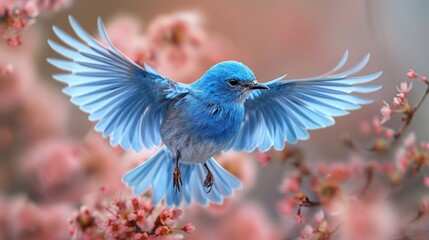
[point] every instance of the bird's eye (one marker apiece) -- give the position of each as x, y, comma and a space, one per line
233, 82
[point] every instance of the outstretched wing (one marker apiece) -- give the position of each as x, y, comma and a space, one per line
291, 107
128, 101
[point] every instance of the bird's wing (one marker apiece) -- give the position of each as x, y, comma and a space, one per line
128, 101
289, 108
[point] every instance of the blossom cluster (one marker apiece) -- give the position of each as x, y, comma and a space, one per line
356, 199
126, 217
15, 16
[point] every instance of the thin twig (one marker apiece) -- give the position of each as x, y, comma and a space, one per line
410, 116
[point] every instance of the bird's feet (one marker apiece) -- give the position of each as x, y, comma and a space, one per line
177, 179
208, 183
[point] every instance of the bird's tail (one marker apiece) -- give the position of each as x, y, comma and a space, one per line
157, 173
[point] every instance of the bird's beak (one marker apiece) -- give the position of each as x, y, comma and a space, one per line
257, 85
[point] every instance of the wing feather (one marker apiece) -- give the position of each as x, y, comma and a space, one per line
290, 108
128, 101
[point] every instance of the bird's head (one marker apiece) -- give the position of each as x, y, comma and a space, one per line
228, 81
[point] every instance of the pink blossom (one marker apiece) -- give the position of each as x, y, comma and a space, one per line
411, 74
121, 215
398, 102
175, 213
164, 216
14, 20
162, 231
425, 80
386, 112
141, 236
404, 89
138, 216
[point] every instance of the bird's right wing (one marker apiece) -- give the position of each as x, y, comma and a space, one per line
128, 101
290, 108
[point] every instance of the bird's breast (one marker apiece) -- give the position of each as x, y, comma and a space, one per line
200, 129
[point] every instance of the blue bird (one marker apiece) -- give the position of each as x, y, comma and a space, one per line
136, 107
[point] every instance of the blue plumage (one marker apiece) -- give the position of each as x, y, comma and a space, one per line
225, 109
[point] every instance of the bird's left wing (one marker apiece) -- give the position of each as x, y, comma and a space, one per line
128, 101
289, 108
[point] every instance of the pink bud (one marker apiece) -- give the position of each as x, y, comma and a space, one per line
411, 74
299, 218
397, 101
175, 213
188, 228
425, 79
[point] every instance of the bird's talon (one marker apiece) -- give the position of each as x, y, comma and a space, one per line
177, 179
208, 183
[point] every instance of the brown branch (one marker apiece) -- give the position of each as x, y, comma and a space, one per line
410, 117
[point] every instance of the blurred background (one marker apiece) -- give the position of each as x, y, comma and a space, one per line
51, 159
